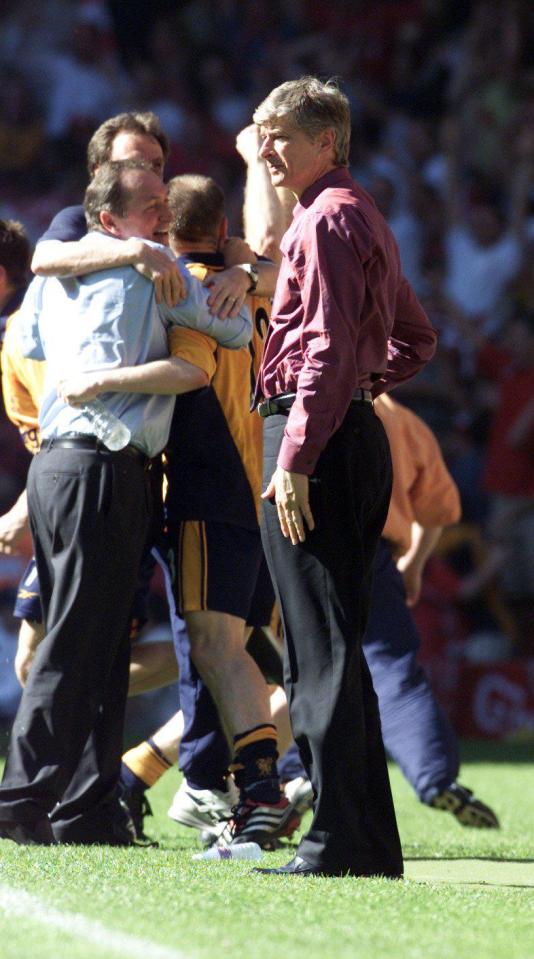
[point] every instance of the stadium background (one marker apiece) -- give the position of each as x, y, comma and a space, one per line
442, 97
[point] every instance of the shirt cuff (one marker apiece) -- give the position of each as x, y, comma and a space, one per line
295, 459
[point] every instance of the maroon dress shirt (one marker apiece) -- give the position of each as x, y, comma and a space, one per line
343, 315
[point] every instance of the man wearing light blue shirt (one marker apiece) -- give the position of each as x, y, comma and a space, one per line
90, 508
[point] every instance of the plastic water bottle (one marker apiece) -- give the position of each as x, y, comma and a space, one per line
107, 427
242, 850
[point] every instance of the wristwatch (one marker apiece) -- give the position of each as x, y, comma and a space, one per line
254, 276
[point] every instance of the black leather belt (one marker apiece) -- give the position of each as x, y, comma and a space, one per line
284, 402
79, 441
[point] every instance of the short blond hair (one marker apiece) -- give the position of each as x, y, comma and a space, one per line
311, 106
196, 203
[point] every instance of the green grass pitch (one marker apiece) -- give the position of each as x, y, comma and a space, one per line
467, 894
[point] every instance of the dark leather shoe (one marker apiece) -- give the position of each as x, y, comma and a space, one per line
299, 867
109, 824
29, 834
79, 834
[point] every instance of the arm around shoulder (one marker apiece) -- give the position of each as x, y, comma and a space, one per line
169, 376
79, 257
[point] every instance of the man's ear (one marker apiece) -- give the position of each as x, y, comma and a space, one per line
108, 221
223, 231
4, 283
327, 139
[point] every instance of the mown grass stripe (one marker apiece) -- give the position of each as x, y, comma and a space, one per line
17, 902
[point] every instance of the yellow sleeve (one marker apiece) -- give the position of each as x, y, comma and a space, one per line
197, 348
22, 387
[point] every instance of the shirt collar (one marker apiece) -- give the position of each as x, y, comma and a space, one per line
207, 258
339, 176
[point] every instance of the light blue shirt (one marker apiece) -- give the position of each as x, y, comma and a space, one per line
106, 320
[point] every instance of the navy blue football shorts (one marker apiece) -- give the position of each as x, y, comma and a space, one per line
220, 567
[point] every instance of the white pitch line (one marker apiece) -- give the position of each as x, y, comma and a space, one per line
17, 902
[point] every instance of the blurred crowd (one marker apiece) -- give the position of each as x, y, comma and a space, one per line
442, 99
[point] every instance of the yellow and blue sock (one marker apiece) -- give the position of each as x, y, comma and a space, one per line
254, 766
142, 766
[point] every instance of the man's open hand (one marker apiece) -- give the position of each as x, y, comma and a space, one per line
155, 265
291, 495
228, 291
14, 526
29, 638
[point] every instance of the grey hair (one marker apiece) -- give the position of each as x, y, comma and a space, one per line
311, 106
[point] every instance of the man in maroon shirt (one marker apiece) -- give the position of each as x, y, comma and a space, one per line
345, 326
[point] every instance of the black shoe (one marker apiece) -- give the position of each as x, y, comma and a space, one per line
29, 834
299, 867
469, 810
108, 825
137, 806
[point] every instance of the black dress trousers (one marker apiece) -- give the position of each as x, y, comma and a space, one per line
90, 513
323, 589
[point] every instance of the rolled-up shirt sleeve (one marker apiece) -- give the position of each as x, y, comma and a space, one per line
434, 495
323, 252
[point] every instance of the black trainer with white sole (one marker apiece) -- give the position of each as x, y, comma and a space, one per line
464, 805
264, 823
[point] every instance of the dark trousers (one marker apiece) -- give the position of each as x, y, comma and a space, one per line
323, 587
416, 731
89, 514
